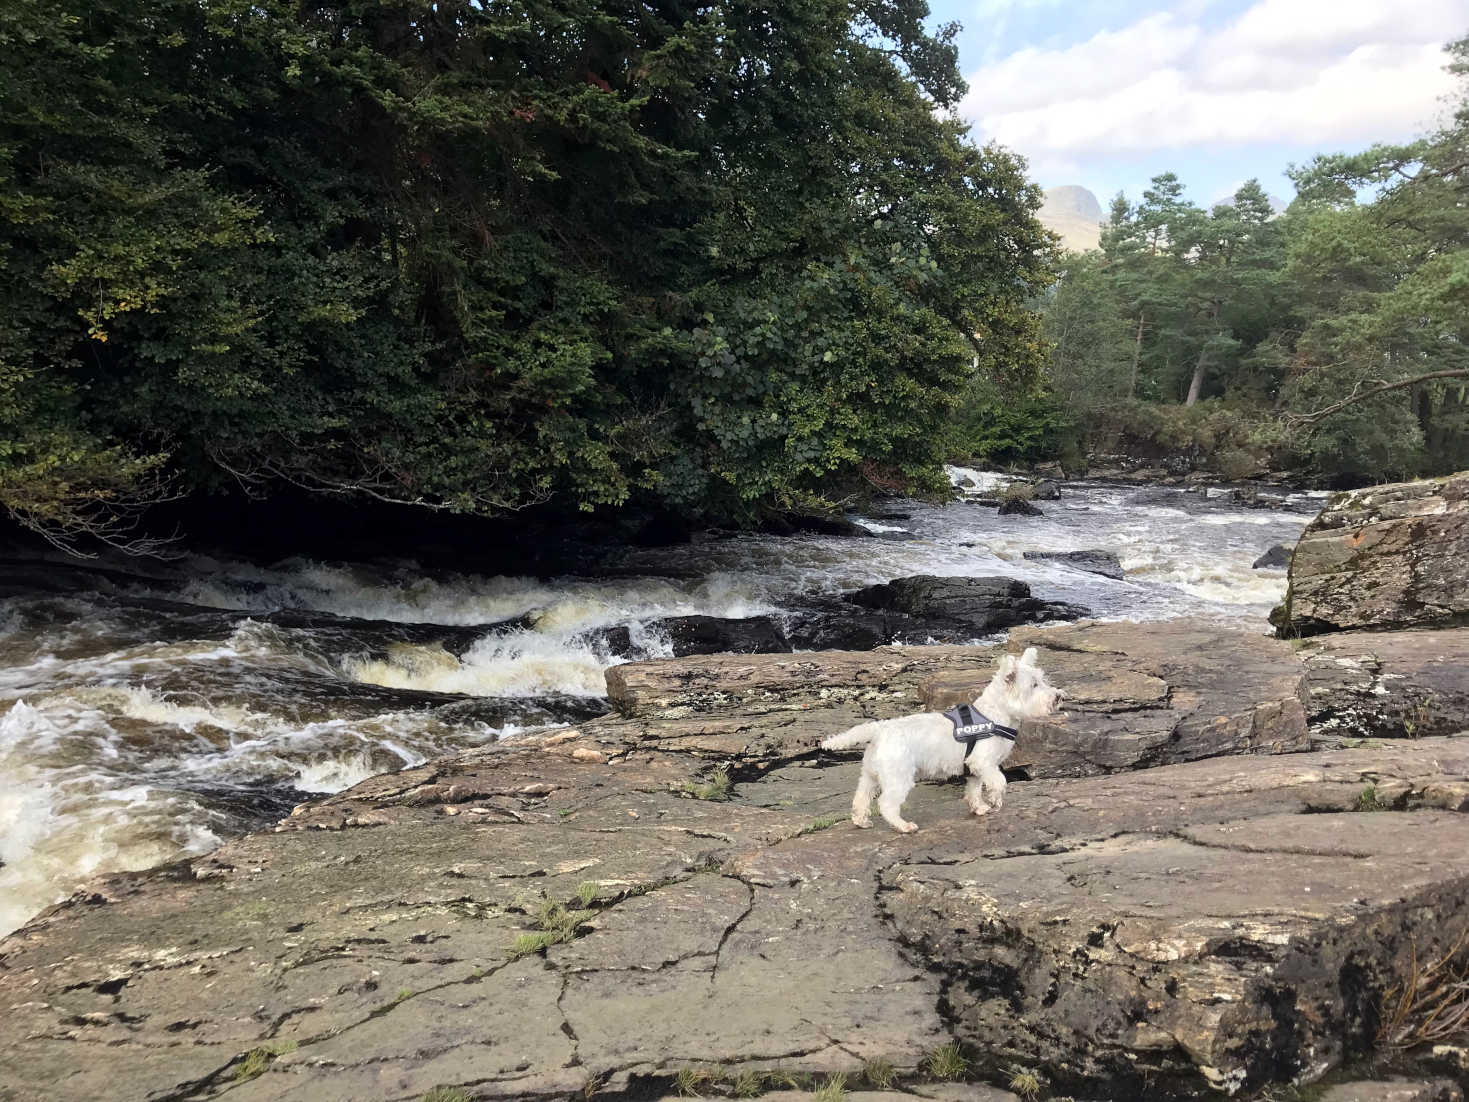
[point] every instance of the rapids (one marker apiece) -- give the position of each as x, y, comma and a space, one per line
149, 711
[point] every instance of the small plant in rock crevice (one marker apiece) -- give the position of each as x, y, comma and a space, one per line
826, 822
1025, 1082
947, 1062
1369, 800
446, 1094
258, 1059
692, 1082
557, 924
747, 1084
716, 788
879, 1073
832, 1089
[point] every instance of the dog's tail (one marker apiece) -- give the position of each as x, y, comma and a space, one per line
852, 739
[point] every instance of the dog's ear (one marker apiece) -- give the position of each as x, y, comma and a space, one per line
1007, 668
1029, 657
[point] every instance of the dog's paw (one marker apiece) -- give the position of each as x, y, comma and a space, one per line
980, 809
908, 828
864, 822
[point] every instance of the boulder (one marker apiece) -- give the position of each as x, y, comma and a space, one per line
1046, 490
719, 635
1277, 558
1015, 506
977, 605
1382, 557
1104, 563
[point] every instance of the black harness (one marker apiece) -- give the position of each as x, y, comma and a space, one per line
971, 725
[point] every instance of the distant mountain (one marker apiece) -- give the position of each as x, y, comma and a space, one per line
1074, 213
1277, 204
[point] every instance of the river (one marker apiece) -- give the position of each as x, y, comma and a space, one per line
149, 711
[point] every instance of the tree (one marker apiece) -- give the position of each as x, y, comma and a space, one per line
476, 255
1378, 380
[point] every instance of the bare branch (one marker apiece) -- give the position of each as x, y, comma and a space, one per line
1359, 395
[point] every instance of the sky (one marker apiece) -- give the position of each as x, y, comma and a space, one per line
1109, 94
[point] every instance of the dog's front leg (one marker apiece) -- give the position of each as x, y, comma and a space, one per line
994, 784
974, 796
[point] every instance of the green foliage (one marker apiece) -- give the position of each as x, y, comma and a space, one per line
832, 1089
446, 1094
1368, 799
477, 257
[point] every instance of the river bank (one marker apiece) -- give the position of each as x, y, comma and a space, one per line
152, 711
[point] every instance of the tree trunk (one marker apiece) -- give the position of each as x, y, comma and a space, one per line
1198, 380
1137, 351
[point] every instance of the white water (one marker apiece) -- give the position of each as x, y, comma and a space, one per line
134, 731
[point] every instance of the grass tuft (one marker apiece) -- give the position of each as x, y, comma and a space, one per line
716, 788
747, 1084
947, 1062
879, 1073
557, 924
826, 822
1025, 1083
446, 1094
586, 892
833, 1089
692, 1082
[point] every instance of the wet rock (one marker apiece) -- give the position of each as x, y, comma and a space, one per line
1015, 506
1386, 556
1395, 1090
1046, 490
1277, 558
792, 523
981, 605
715, 635
1104, 563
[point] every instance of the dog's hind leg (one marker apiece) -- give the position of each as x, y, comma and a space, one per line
862, 801
890, 805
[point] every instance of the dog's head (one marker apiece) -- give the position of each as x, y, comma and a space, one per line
1026, 691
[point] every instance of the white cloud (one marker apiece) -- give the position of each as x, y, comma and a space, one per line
1321, 73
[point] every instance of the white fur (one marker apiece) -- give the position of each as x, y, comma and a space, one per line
903, 751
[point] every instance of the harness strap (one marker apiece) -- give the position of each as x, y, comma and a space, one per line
971, 725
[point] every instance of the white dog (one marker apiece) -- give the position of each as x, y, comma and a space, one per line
903, 751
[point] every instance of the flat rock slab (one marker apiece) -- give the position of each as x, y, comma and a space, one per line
1151, 694
1395, 1090
1383, 557
1162, 914
1388, 684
